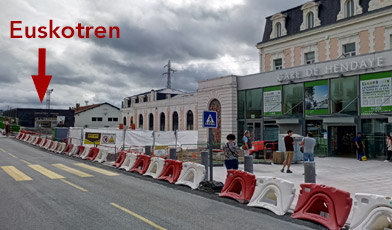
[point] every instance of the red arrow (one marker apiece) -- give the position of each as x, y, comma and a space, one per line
41, 81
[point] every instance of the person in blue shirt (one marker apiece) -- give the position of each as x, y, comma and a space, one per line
359, 145
247, 143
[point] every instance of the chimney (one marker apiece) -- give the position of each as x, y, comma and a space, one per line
77, 105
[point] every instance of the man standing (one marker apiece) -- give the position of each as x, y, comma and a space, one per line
247, 143
359, 145
289, 144
308, 143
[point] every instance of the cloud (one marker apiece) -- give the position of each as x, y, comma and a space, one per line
203, 39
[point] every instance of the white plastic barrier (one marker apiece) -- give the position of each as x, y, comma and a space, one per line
32, 139
85, 152
191, 174
371, 212
129, 161
42, 142
48, 144
102, 155
273, 194
35, 141
155, 168
73, 150
54, 146
27, 137
61, 148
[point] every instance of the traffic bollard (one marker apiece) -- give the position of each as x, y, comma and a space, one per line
248, 164
204, 161
147, 150
173, 153
310, 172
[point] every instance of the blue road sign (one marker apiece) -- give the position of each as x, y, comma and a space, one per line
210, 119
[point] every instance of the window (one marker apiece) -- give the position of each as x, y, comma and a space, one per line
293, 98
124, 121
115, 119
278, 29
278, 63
93, 119
162, 122
99, 118
110, 119
310, 20
349, 50
253, 103
309, 58
241, 104
189, 120
140, 121
175, 121
151, 122
344, 97
390, 41
349, 6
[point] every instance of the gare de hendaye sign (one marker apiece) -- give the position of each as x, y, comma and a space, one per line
337, 67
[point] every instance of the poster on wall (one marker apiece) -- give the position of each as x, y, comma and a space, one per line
108, 138
92, 138
376, 93
272, 101
316, 97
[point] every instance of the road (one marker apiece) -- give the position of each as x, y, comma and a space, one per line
41, 190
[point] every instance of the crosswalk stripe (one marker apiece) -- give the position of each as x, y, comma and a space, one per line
15, 173
98, 170
46, 172
72, 170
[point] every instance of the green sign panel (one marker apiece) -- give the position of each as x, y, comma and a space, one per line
272, 97
316, 98
376, 91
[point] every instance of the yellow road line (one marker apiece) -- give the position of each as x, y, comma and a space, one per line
138, 216
72, 170
46, 172
12, 155
25, 162
74, 185
2, 150
15, 173
95, 169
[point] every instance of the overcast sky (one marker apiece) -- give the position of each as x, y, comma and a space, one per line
203, 38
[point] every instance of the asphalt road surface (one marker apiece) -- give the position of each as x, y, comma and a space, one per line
41, 190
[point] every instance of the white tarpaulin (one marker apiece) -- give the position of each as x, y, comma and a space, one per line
139, 138
165, 138
187, 139
75, 134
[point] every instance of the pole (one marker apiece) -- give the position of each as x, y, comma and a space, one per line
210, 149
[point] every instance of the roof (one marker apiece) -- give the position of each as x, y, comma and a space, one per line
88, 107
165, 91
328, 11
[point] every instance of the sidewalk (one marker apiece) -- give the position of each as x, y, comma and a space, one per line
343, 173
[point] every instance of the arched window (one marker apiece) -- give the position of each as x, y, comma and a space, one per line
162, 122
349, 8
189, 120
151, 122
310, 19
175, 121
140, 121
278, 29
125, 121
131, 120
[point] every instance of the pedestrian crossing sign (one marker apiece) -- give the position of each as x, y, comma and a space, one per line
210, 119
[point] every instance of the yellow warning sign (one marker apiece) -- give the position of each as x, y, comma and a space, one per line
108, 138
111, 141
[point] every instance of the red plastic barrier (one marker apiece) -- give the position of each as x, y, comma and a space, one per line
141, 164
57, 147
46, 140
120, 159
326, 205
68, 149
79, 151
239, 185
171, 171
51, 144
19, 135
92, 154
39, 141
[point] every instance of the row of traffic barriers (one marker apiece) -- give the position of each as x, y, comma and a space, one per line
326, 205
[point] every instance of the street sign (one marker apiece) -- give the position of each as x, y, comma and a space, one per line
210, 119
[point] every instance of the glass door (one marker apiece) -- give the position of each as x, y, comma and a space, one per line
254, 127
342, 141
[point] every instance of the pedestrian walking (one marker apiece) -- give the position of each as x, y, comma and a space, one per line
359, 145
247, 143
231, 151
289, 144
7, 128
308, 144
389, 148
